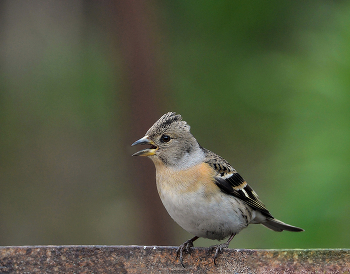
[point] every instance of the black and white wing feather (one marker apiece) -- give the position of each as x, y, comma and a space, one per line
230, 182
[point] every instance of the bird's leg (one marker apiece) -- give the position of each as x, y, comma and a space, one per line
185, 247
219, 248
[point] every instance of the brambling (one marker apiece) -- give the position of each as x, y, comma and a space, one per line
200, 190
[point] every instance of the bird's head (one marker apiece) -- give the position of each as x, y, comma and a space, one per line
170, 141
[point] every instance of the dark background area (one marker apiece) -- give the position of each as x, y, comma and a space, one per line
265, 84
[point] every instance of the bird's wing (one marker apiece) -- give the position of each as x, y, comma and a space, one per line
230, 182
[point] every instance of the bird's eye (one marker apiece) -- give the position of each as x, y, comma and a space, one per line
165, 138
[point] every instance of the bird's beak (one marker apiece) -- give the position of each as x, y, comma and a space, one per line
148, 151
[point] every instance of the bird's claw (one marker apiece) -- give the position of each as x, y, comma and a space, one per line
186, 246
218, 249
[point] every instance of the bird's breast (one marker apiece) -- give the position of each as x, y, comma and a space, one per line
197, 179
193, 200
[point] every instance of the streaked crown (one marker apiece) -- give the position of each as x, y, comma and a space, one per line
170, 119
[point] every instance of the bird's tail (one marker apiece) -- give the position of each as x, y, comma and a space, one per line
279, 226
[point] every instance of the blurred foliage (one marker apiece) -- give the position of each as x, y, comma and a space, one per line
265, 84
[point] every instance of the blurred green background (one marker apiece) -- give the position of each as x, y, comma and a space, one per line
265, 84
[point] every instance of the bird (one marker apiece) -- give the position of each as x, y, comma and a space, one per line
199, 189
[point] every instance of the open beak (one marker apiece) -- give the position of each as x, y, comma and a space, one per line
148, 151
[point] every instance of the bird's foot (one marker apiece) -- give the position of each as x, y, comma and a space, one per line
186, 246
218, 249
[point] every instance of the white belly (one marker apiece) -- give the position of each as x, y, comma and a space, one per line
214, 217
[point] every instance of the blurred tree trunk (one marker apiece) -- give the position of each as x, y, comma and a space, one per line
136, 30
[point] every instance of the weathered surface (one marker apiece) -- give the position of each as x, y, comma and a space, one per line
149, 259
